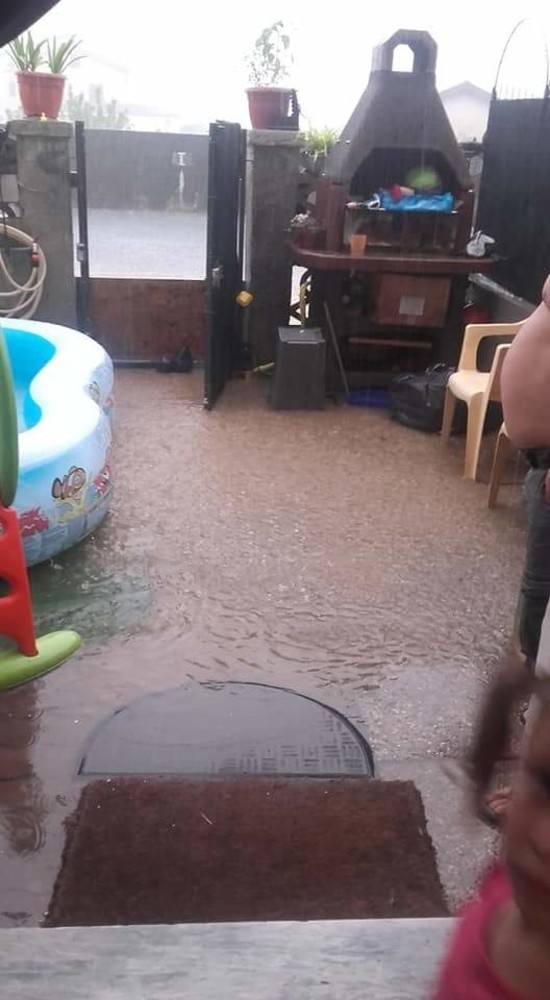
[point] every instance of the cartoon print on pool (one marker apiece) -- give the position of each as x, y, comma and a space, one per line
69, 492
106, 403
95, 392
102, 483
33, 522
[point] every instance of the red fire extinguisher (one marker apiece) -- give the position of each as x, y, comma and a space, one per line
475, 314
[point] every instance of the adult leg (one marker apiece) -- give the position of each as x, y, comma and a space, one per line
535, 582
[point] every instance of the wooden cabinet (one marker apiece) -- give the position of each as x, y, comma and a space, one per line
412, 300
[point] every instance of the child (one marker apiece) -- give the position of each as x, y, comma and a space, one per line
501, 947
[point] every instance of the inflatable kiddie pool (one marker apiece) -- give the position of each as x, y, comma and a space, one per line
64, 393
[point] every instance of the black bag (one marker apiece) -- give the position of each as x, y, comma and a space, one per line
417, 401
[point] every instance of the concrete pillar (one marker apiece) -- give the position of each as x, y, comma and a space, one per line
273, 161
44, 179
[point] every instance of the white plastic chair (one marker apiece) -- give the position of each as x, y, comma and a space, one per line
475, 388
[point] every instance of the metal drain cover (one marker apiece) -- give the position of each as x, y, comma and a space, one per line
227, 729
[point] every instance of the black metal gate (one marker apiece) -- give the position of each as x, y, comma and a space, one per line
224, 256
79, 181
514, 197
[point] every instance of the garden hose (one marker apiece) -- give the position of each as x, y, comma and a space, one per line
22, 299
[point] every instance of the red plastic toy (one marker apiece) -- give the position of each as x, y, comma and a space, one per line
16, 618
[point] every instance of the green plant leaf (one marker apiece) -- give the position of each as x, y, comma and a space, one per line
61, 55
25, 53
319, 141
270, 59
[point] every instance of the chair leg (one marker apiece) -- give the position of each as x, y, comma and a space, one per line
502, 451
448, 416
477, 408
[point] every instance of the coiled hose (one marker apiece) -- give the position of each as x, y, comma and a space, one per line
22, 299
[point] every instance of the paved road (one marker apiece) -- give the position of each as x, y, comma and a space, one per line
145, 244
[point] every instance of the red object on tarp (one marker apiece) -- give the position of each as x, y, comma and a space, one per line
16, 618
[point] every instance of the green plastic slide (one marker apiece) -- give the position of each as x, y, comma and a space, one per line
53, 650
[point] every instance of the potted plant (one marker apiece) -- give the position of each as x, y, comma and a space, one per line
270, 104
41, 93
307, 232
318, 143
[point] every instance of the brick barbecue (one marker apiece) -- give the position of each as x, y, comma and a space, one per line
396, 294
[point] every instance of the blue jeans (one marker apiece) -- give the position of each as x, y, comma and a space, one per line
535, 582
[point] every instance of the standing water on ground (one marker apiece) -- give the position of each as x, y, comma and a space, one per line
334, 553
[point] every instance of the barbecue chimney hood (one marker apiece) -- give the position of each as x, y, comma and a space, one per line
399, 124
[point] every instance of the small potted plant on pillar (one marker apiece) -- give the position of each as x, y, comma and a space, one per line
270, 103
41, 93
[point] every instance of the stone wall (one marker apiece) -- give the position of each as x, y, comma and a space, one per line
273, 163
43, 173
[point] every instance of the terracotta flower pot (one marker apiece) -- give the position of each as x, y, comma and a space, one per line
40, 93
308, 239
271, 107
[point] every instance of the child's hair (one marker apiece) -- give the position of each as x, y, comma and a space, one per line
511, 686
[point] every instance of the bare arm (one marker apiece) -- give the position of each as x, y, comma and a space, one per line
525, 380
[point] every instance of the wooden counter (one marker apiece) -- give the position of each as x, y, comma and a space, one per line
377, 261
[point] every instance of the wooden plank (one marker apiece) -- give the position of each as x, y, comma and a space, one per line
145, 319
332, 960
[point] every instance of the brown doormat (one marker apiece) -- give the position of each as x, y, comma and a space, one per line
143, 851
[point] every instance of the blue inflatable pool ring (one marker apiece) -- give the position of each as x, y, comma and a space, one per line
64, 398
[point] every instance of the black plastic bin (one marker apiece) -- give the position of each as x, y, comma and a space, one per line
299, 381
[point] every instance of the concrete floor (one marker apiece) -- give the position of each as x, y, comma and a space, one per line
336, 553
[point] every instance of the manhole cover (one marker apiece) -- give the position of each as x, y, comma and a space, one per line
227, 729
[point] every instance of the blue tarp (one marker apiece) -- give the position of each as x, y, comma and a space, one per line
417, 202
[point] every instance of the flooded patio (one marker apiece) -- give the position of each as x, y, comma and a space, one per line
333, 553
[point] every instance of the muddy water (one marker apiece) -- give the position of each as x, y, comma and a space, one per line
333, 552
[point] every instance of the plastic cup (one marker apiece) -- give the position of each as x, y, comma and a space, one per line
357, 244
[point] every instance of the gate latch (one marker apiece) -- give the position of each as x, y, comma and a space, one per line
217, 277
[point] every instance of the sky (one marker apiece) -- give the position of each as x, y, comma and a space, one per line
190, 57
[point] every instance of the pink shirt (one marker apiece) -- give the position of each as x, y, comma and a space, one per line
467, 973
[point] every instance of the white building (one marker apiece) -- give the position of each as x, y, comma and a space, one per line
92, 72
467, 107
148, 118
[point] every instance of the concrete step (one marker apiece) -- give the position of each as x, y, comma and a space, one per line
325, 960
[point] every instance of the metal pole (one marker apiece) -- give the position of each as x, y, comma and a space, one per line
82, 248
336, 346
